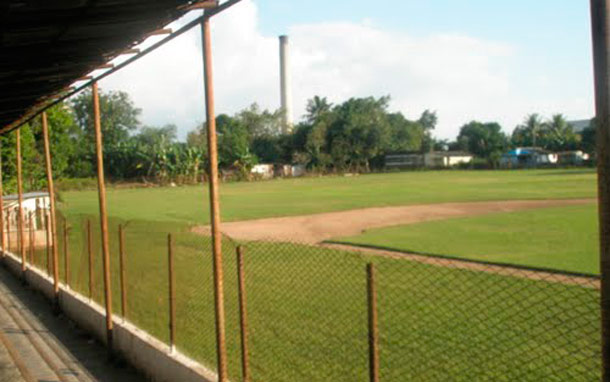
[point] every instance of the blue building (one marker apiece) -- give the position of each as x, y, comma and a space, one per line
528, 157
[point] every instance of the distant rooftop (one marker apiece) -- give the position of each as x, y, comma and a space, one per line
27, 195
580, 125
527, 151
453, 153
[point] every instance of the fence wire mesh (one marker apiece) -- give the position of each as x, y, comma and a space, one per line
307, 309
444, 320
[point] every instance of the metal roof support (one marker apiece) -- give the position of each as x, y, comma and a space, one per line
20, 199
160, 32
206, 40
101, 187
222, 7
600, 18
51, 189
114, 68
205, 4
221, 351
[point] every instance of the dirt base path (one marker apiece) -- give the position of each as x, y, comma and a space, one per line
319, 227
473, 265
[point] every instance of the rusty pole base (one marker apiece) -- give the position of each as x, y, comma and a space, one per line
109, 347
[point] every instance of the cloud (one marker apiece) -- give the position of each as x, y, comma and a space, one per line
459, 76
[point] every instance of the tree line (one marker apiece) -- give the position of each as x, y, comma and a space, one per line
487, 140
352, 136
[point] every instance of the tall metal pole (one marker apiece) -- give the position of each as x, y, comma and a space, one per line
20, 199
214, 202
48, 241
373, 329
32, 239
90, 258
8, 230
122, 272
600, 22
243, 315
51, 190
172, 292
101, 187
66, 254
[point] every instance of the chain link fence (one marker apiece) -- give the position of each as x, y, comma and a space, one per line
307, 312
449, 320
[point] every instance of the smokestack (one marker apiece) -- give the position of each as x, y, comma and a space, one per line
285, 84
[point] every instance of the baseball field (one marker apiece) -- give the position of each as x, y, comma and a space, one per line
307, 300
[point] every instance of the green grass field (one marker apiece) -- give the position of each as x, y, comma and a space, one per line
563, 238
308, 315
284, 197
307, 305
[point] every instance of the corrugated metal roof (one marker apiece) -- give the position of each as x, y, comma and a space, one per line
46, 45
27, 195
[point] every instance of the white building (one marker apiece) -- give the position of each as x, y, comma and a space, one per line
33, 205
572, 158
405, 160
263, 171
435, 159
439, 159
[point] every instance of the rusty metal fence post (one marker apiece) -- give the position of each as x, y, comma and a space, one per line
8, 229
101, 187
53, 214
18, 241
221, 350
243, 315
373, 330
20, 228
90, 258
38, 227
172, 293
48, 238
122, 272
600, 26
32, 239
66, 254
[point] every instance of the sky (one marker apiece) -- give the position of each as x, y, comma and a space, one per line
465, 59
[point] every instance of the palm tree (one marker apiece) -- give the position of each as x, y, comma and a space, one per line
533, 125
316, 107
560, 132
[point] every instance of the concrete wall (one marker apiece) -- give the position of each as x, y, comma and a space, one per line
40, 239
265, 171
151, 356
456, 160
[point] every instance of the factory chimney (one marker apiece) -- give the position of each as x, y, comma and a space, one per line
285, 85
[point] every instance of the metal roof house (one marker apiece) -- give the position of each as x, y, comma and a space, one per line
34, 203
528, 157
580, 125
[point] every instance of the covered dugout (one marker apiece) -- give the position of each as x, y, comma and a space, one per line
48, 50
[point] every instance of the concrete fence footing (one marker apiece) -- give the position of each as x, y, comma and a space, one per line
146, 353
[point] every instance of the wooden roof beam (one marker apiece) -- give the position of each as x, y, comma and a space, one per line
160, 32
206, 4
